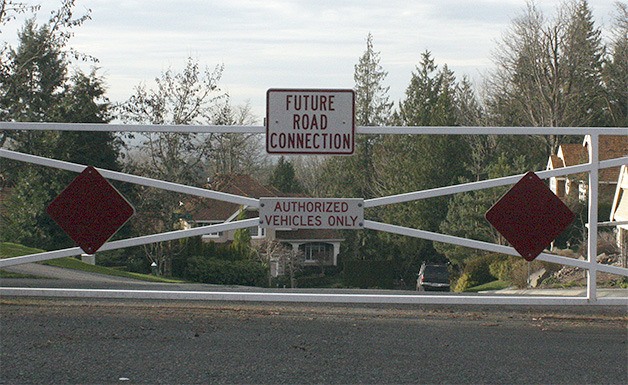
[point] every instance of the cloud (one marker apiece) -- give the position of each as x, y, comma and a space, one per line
289, 43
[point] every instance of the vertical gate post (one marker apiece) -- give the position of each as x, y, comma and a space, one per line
593, 218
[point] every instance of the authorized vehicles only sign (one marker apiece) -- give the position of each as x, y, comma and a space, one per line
310, 121
313, 213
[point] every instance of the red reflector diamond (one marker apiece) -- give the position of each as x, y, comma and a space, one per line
530, 216
90, 210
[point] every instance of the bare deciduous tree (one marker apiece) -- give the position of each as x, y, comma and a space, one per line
549, 72
288, 261
234, 152
187, 97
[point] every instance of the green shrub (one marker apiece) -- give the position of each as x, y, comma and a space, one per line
317, 276
225, 272
195, 247
463, 283
478, 271
501, 267
495, 285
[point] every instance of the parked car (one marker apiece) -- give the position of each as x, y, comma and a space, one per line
433, 277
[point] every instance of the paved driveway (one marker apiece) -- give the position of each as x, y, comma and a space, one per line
58, 273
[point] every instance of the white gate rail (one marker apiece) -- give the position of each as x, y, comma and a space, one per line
590, 265
284, 296
138, 241
139, 180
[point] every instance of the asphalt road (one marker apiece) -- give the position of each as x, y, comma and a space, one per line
46, 341
89, 341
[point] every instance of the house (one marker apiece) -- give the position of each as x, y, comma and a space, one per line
568, 155
317, 247
610, 147
203, 212
619, 211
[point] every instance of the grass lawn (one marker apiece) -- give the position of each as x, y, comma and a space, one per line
495, 285
8, 250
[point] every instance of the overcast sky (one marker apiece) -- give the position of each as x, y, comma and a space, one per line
296, 44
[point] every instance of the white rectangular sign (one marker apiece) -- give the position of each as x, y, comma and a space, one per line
312, 213
310, 121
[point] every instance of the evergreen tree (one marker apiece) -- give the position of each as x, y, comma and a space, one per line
583, 56
465, 213
284, 179
354, 176
414, 162
417, 162
84, 101
38, 72
615, 72
469, 111
35, 87
373, 106
32, 88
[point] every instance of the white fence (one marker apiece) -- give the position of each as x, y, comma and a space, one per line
590, 264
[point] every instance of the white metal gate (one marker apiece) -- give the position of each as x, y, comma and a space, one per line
590, 264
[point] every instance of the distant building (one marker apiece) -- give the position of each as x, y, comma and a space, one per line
619, 211
568, 155
610, 147
317, 247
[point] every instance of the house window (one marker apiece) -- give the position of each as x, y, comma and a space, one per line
257, 232
317, 251
582, 192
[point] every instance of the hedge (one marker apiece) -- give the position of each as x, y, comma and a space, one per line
225, 272
369, 274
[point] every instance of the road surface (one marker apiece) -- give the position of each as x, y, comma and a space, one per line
90, 341
107, 342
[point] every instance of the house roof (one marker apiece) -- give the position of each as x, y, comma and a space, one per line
241, 184
555, 162
610, 147
572, 154
212, 210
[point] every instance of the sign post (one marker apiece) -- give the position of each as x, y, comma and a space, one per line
310, 121
530, 216
90, 210
312, 213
